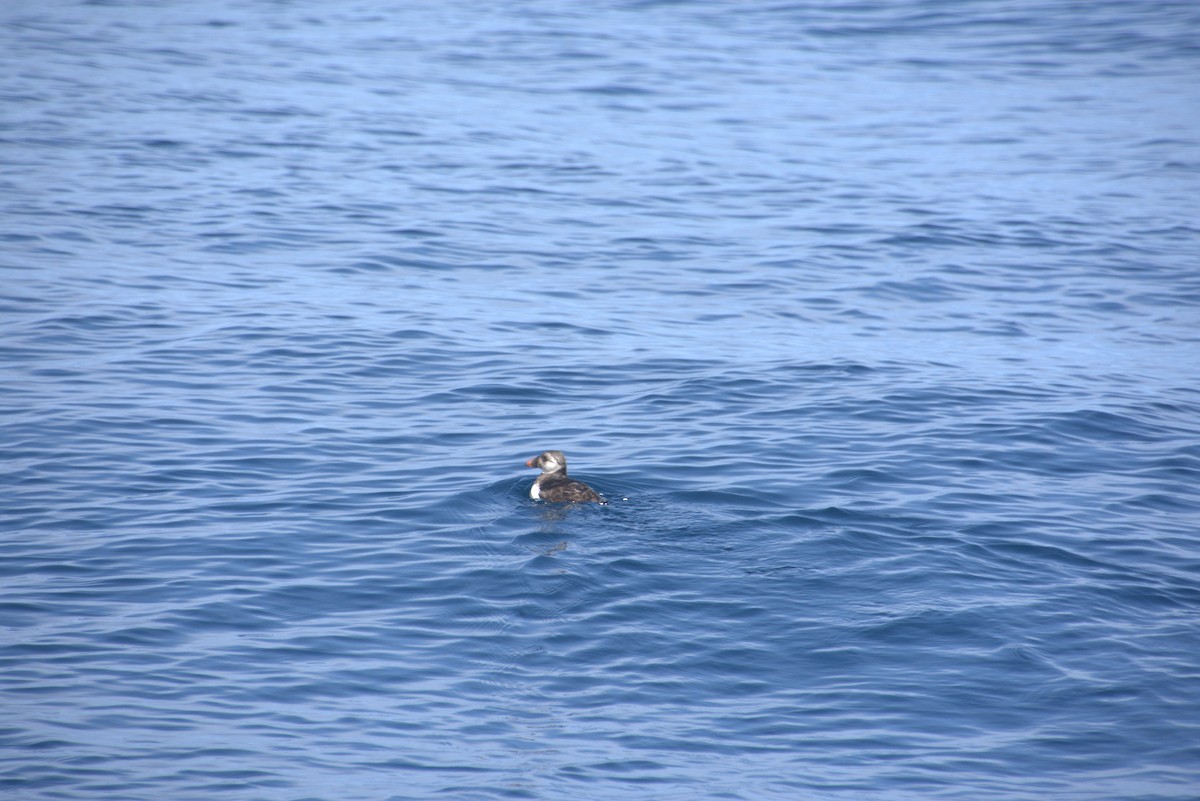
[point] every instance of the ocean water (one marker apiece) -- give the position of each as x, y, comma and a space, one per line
875, 321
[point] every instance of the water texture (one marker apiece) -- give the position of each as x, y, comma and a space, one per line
876, 322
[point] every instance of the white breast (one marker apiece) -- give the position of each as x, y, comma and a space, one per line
535, 491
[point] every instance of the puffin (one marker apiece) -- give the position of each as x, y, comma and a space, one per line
554, 486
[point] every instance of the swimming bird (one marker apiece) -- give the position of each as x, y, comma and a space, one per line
553, 484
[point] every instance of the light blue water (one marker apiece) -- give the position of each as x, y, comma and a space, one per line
876, 321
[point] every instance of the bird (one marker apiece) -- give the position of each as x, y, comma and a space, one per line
554, 486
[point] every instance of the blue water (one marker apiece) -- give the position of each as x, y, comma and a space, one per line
876, 321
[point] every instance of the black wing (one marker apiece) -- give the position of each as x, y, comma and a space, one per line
567, 490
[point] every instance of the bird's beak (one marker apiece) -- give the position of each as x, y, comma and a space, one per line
530, 462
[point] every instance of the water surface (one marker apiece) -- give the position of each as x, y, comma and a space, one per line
875, 321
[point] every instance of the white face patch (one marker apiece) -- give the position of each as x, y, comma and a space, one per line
550, 464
